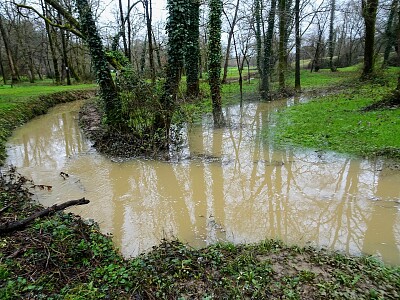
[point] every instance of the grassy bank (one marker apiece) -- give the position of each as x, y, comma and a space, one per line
19, 104
340, 122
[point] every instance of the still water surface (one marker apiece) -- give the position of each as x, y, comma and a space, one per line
229, 186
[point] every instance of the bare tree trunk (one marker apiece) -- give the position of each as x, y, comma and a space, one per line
157, 49
19, 225
52, 49
65, 57
228, 47
2, 68
122, 28
148, 13
369, 9
14, 75
128, 24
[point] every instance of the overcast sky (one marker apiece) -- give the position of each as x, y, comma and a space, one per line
159, 9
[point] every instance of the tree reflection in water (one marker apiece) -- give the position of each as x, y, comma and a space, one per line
233, 186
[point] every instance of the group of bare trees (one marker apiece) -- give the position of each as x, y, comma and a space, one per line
46, 38
331, 34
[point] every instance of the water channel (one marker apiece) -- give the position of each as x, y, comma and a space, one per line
229, 185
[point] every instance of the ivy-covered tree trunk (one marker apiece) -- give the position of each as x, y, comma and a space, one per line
331, 40
214, 60
258, 16
282, 49
265, 87
390, 34
192, 52
396, 94
369, 9
177, 34
108, 91
297, 79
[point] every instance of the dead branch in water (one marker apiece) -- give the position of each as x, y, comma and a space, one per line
18, 225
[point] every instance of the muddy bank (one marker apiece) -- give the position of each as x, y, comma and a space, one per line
27, 110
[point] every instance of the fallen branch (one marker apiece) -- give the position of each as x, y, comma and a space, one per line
18, 225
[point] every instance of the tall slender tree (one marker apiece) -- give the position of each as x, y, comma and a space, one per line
177, 34
282, 56
390, 33
214, 60
232, 25
192, 49
258, 18
7, 46
107, 87
331, 39
149, 16
369, 10
265, 85
297, 79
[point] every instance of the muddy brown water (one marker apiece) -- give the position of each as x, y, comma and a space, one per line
228, 185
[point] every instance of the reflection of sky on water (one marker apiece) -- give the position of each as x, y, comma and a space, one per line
235, 187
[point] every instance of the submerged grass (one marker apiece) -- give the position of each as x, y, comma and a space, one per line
339, 122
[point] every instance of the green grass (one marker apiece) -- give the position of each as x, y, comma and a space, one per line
23, 102
337, 122
21, 93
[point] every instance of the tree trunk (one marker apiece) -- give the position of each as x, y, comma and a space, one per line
228, 47
57, 75
390, 36
214, 60
14, 74
128, 24
122, 28
148, 12
369, 9
108, 90
175, 51
65, 57
19, 225
297, 83
282, 50
2, 68
332, 36
192, 50
258, 17
157, 50
265, 88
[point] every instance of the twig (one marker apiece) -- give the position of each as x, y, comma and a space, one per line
18, 225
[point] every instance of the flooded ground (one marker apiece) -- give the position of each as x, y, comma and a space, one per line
229, 186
